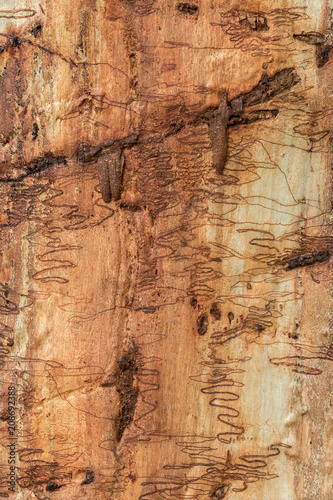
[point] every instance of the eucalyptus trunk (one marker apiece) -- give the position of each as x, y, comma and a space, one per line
166, 241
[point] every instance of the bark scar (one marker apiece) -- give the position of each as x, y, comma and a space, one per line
218, 131
110, 172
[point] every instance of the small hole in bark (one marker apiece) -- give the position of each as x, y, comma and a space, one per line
220, 492
202, 323
215, 311
231, 317
52, 486
37, 30
16, 42
35, 130
90, 475
187, 8
194, 302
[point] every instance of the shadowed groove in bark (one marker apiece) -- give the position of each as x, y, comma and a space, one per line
38, 165
128, 393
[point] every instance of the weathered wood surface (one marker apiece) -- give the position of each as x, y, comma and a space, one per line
175, 343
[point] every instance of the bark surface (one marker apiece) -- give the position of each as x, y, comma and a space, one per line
165, 290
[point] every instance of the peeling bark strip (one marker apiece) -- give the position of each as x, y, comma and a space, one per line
306, 260
111, 162
311, 38
128, 393
232, 113
86, 153
253, 116
38, 165
236, 110
266, 90
218, 131
269, 87
110, 171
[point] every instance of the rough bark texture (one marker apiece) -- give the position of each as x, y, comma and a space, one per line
176, 341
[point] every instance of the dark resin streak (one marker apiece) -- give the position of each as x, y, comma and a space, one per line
218, 131
110, 170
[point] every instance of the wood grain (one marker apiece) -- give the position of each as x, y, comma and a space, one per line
172, 340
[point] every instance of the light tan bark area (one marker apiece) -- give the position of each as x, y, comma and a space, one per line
174, 342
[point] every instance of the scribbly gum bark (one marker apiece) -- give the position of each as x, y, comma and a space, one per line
166, 242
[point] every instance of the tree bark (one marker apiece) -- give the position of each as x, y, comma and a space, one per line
166, 302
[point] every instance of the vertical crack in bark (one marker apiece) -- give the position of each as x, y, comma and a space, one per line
218, 131
128, 393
